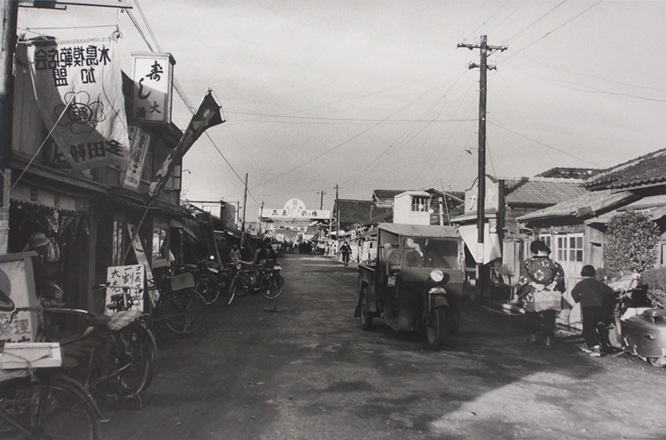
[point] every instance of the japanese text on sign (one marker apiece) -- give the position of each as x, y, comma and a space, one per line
128, 282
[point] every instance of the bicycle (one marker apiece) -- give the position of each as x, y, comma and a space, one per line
207, 283
115, 355
42, 403
257, 279
182, 310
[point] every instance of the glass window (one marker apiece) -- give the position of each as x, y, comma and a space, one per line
420, 204
442, 254
147, 174
160, 250
570, 247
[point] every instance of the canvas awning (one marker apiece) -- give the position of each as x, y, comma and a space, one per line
491, 244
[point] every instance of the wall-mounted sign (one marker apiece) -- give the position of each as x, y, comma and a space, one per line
139, 144
491, 200
151, 95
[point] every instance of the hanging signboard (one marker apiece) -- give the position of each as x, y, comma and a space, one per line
153, 293
128, 281
78, 87
139, 144
17, 282
151, 95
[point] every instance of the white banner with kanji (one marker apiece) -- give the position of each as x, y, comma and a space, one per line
78, 86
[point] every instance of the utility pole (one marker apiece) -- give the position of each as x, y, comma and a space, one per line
261, 215
321, 202
337, 216
244, 205
8, 17
481, 178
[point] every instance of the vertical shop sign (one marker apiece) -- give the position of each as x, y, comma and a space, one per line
151, 95
141, 258
78, 87
139, 142
126, 280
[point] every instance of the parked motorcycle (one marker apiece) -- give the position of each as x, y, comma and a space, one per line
640, 331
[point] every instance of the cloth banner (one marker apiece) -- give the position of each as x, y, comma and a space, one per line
78, 87
207, 116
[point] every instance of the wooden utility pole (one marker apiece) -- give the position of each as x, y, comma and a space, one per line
8, 17
321, 201
481, 177
261, 215
244, 204
337, 216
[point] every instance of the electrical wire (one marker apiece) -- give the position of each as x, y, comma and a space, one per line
549, 33
543, 144
537, 20
487, 20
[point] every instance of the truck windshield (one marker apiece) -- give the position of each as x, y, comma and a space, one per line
436, 253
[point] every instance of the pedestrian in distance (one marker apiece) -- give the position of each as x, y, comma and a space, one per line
345, 251
540, 286
596, 303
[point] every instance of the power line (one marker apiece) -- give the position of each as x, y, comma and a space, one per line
487, 20
557, 28
537, 20
543, 144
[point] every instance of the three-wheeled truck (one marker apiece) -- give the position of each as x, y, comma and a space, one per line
416, 281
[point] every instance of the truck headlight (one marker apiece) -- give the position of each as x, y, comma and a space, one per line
437, 275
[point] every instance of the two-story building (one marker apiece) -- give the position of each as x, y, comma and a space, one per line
87, 213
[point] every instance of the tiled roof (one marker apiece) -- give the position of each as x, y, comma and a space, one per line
387, 193
541, 191
647, 170
583, 206
569, 173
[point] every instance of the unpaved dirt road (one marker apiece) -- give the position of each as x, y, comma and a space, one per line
300, 368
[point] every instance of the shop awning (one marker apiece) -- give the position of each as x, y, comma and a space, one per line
491, 244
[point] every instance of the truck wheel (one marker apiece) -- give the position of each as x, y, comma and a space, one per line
366, 315
436, 328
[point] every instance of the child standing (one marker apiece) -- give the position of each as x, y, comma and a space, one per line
595, 300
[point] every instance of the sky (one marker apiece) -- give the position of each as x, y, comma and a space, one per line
342, 96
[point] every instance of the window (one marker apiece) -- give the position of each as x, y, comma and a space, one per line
570, 247
420, 204
385, 202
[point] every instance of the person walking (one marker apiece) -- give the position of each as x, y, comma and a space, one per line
540, 286
345, 250
596, 300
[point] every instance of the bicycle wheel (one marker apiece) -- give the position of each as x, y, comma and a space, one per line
184, 311
209, 287
50, 407
271, 286
135, 359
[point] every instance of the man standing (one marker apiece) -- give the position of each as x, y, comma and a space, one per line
345, 250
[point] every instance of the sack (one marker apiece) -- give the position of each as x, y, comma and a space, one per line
540, 300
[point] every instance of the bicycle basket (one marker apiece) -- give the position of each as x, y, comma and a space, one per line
182, 281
